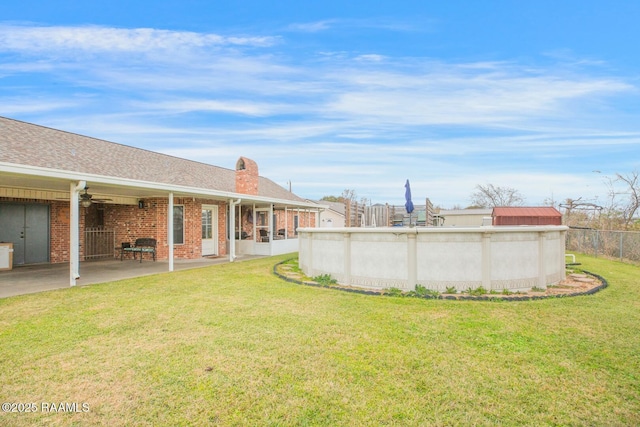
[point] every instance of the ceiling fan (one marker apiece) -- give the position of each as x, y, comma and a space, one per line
87, 199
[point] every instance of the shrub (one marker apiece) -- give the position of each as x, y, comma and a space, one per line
325, 279
394, 292
478, 291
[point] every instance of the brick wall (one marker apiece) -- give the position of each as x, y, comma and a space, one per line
247, 177
59, 240
305, 219
131, 222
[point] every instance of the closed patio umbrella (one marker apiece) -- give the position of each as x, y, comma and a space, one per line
409, 204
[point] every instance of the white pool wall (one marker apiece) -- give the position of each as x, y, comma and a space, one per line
495, 257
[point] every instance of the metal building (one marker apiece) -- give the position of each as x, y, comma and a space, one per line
509, 215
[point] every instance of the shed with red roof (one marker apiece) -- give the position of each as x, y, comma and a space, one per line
510, 215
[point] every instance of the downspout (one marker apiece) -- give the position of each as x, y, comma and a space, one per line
170, 230
74, 231
232, 228
319, 218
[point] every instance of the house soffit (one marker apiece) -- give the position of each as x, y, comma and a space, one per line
104, 188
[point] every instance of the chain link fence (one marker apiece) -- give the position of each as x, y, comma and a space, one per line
621, 245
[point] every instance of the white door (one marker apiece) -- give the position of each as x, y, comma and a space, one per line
209, 230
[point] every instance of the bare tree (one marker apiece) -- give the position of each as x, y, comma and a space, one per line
629, 207
489, 196
348, 195
580, 213
550, 201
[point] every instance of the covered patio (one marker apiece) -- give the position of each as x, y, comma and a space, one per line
46, 277
67, 198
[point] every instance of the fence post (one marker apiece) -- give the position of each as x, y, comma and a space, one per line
621, 235
603, 243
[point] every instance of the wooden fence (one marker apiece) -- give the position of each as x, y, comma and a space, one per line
379, 215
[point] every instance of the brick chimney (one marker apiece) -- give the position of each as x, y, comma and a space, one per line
246, 176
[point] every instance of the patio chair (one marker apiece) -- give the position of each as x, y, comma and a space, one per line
122, 248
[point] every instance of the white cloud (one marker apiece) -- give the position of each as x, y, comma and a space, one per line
182, 106
372, 57
349, 120
105, 39
425, 25
311, 27
12, 106
493, 99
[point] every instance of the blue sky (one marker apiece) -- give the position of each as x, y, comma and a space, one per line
334, 95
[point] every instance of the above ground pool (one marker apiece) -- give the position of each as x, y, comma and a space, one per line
439, 258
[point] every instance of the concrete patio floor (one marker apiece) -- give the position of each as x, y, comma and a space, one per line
45, 277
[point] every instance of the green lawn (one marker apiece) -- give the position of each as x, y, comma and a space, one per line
234, 345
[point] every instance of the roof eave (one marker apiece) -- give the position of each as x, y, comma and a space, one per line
66, 175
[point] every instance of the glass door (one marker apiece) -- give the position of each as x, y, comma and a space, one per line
263, 229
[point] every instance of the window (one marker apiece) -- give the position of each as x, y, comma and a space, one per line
178, 225
207, 224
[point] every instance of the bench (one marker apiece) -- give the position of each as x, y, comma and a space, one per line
141, 246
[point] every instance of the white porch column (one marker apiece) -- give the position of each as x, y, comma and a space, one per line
170, 230
74, 231
239, 225
286, 224
271, 234
232, 228
255, 228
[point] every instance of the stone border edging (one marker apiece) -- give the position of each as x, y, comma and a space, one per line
493, 297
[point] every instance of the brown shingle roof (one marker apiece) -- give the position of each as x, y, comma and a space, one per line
33, 145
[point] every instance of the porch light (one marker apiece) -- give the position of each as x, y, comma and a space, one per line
85, 199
